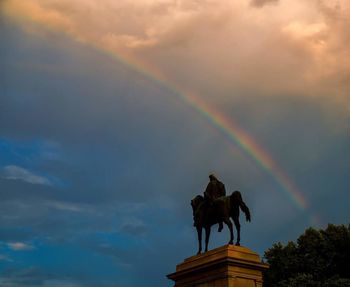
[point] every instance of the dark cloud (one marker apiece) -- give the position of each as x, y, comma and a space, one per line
37, 277
13, 234
261, 3
134, 228
24, 277
121, 255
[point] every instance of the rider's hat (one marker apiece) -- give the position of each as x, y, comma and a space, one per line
212, 177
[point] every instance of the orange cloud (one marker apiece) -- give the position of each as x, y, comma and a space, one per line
260, 3
215, 48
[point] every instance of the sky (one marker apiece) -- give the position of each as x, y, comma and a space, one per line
114, 113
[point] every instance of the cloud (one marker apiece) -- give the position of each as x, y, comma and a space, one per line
20, 246
120, 256
261, 3
134, 226
130, 150
23, 220
298, 49
21, 277
67, 206
62, 282
198, 30
5, 258
14, 172
37, 277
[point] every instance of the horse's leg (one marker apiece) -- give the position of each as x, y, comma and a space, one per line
238, 228
199, 232
207, 235
229, 224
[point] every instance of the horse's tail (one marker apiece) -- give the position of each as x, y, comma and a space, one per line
236, 198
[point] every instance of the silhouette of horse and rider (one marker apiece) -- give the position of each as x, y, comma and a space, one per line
215, 207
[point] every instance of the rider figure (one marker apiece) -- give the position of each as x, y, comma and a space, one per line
215, 189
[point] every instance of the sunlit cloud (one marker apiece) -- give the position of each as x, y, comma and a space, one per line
20, 246
293, 47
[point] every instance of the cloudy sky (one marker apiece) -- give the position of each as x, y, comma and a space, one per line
113, 113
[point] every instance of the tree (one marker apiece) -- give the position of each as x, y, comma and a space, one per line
319, 258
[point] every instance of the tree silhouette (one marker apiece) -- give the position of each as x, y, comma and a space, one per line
319, 258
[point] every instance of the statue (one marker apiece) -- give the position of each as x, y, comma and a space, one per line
215, 208
214, 190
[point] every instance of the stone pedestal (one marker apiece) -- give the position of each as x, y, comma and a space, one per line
226, 266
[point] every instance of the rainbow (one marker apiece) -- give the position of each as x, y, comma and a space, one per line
231, 130
236, 135
228, 127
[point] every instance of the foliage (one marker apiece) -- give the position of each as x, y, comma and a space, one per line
319, 258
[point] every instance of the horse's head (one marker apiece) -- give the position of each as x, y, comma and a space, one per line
196, 201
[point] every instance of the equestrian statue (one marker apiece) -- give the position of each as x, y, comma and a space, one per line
215, 207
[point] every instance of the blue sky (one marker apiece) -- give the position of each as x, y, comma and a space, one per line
99, 162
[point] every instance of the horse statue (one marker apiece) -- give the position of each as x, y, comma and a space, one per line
206, 214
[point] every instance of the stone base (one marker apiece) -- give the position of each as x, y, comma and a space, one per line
226, 266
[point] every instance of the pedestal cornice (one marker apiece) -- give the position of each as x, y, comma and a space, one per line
224, 266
